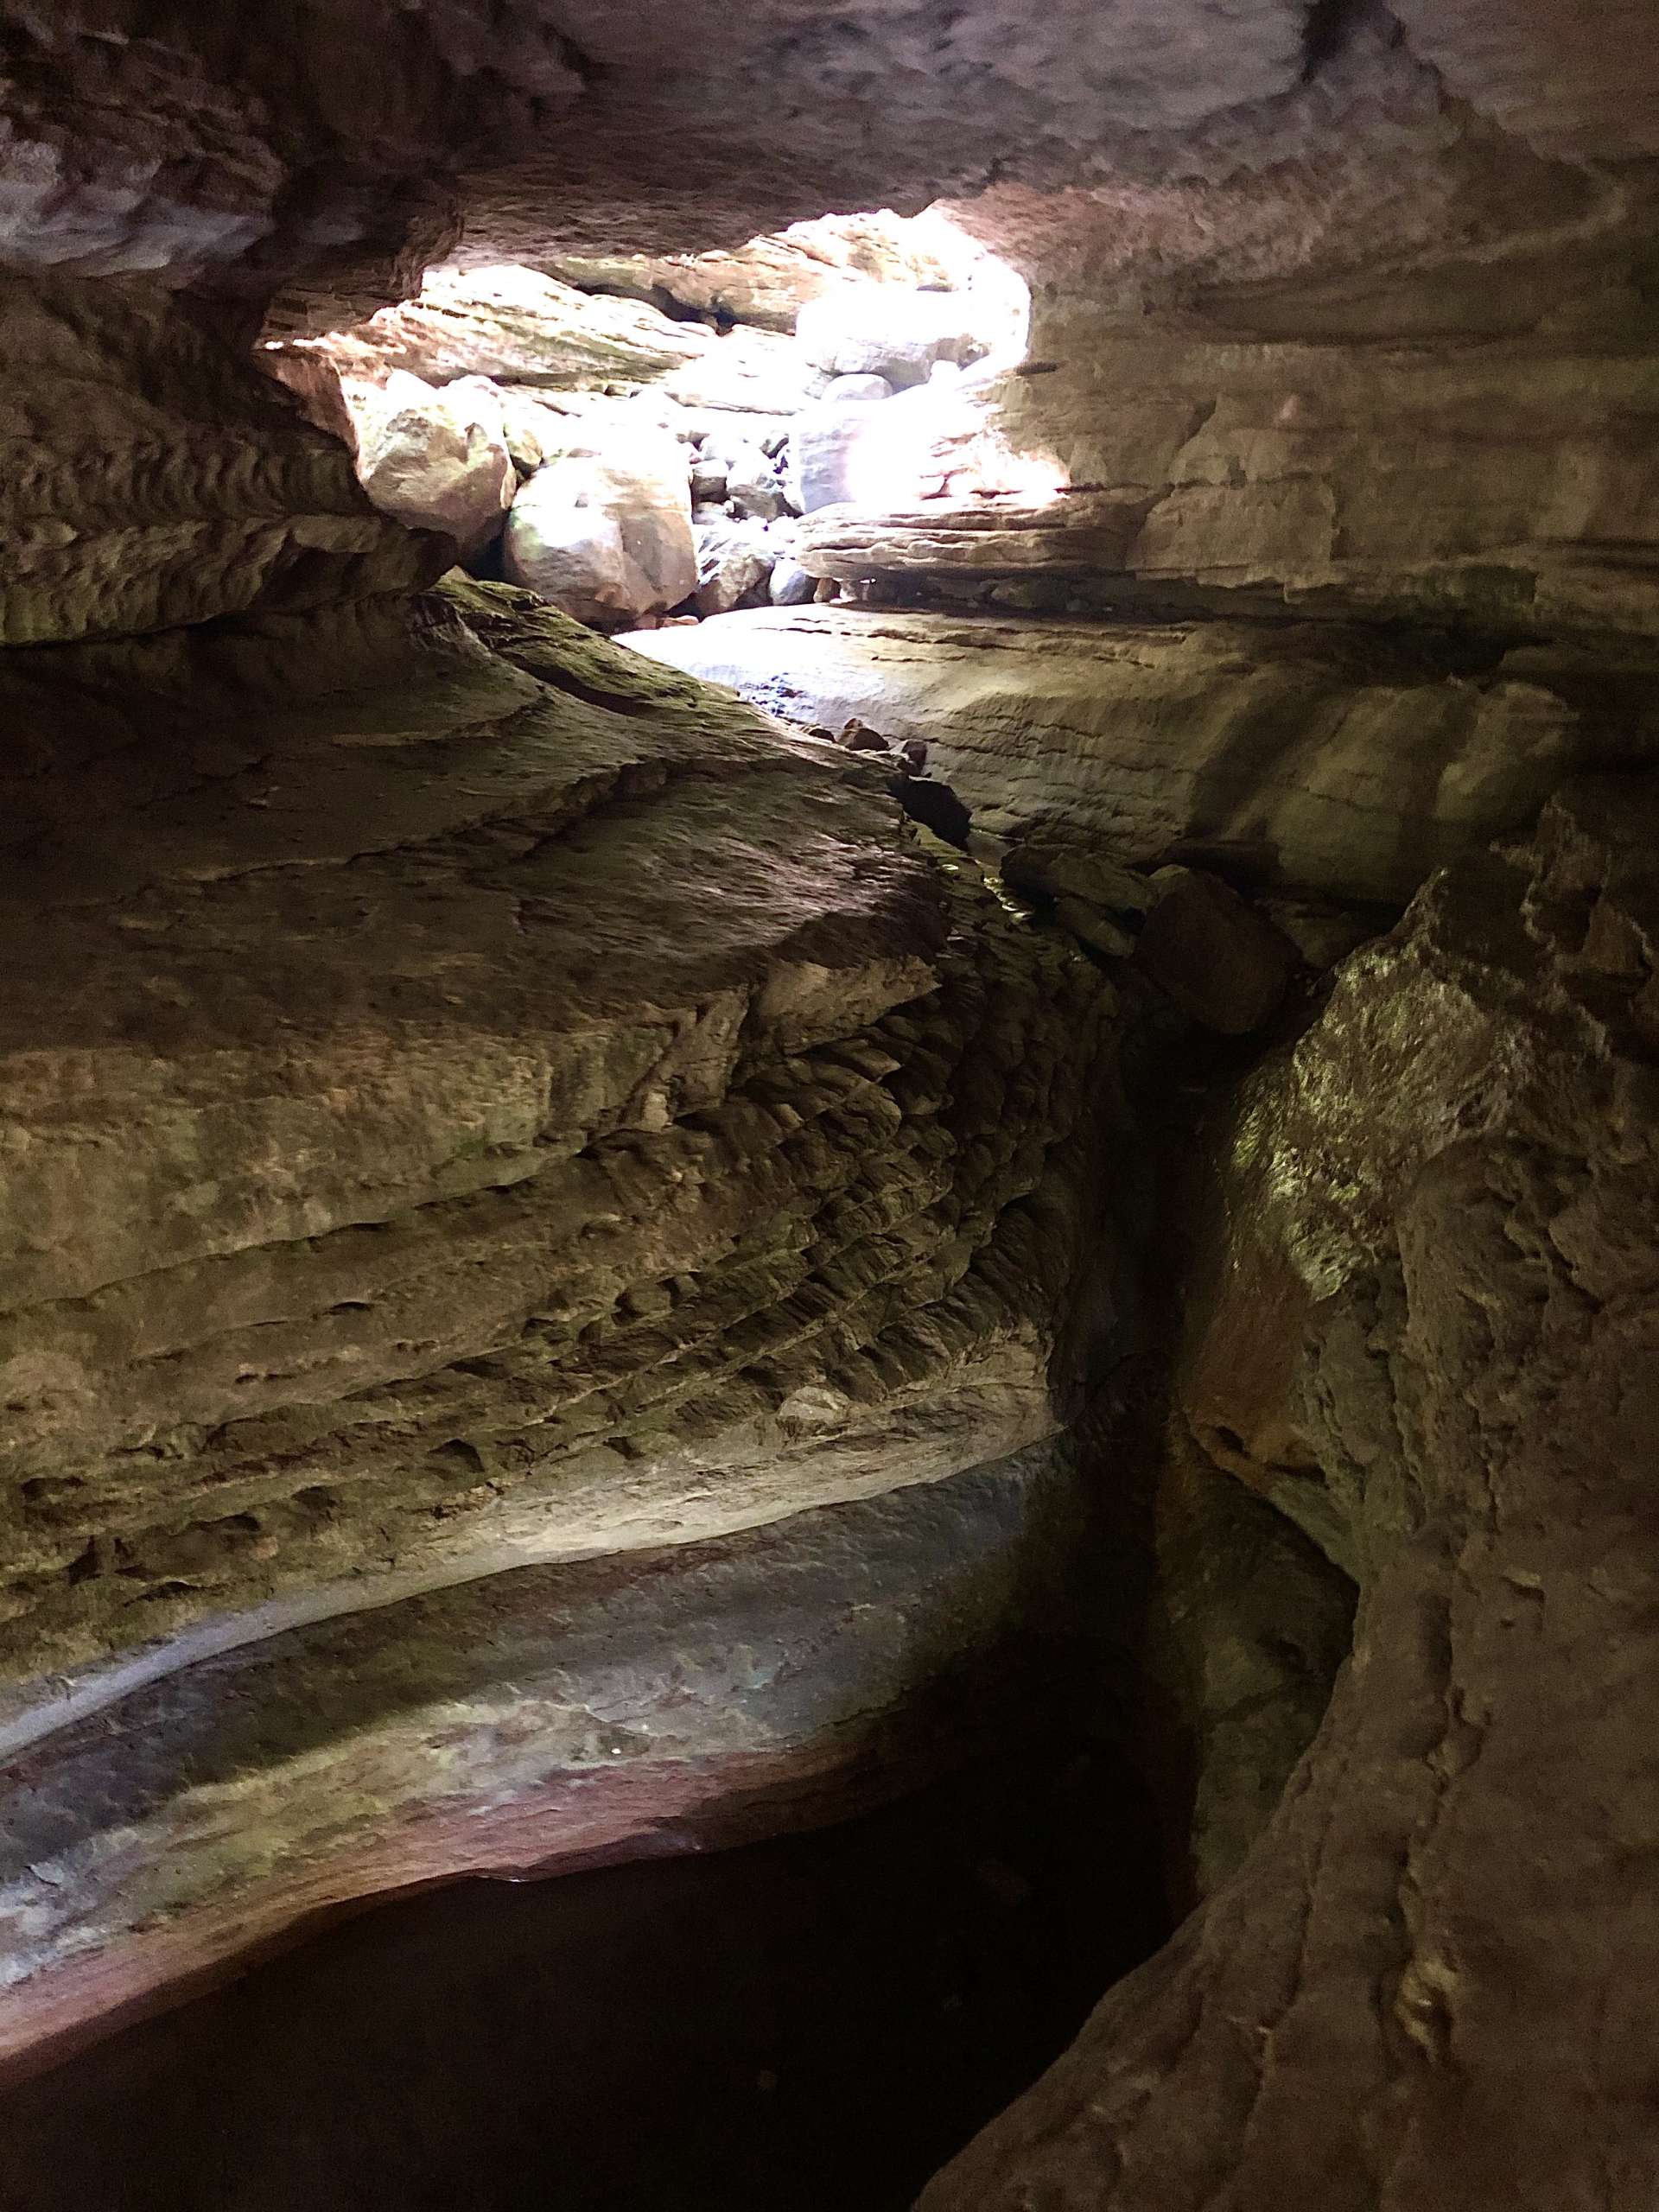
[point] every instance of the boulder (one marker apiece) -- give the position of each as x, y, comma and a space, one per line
606, 536
437, 460
821, 450
791, 584
1098, 931
707, 481
1221, 961
888, 454
536, 432
897, 335
841, 389
1049, 868
754, 485
733, 559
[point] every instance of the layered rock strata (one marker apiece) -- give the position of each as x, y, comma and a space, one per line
1330, 757
713, 1183
474, 1103
469, 1105
152, 479
522, 1723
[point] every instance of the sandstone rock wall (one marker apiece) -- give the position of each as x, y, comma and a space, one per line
1313, 755
476, 1102
1415, 1989
150, 479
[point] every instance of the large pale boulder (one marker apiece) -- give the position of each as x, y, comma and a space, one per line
823, 444
733, 559
437, 458
882, 454
606, 534
898, 335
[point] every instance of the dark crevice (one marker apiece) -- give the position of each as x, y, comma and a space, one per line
1326, 29
719, 317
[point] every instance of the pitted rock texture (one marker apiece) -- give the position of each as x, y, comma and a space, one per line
520, 1724
1421, 1986
142, 142
1329, 758
151, 478
1584, 86
146, 143
469, 1107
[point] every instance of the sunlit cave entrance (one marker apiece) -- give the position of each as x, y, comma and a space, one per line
638, 441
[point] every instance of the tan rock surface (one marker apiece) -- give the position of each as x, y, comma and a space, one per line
513, 1724
152, 477
476, 1102
567, 1116
1422, 1985
767, 281
1304, 754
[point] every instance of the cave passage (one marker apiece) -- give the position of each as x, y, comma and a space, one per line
816, 2020
827, 1096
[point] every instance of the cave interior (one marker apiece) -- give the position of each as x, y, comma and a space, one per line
829, 1154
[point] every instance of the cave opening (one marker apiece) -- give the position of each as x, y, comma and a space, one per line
576, 430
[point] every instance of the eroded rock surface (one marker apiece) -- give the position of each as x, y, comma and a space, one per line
1421, 1984
151, 478
520, 1724
475, 1100
548, 975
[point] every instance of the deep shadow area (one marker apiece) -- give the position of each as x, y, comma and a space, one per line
816, 2021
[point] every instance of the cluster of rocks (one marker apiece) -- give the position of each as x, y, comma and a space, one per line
1185, 930
634, 509
925, 798
1220, 959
